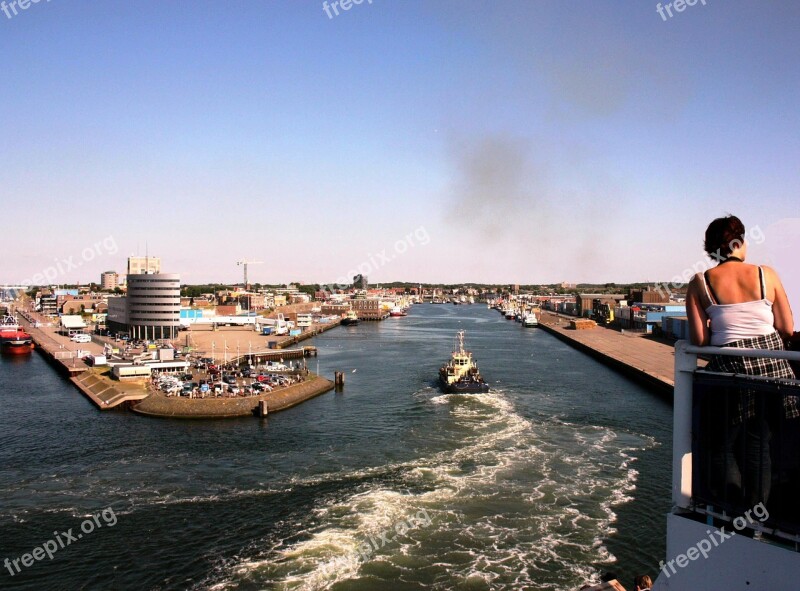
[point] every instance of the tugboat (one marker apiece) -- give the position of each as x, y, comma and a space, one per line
461, 375
350, 318
14, 340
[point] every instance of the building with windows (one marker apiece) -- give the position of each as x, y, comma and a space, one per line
142, 265
152, 308
109, 280
154, 305
48, 304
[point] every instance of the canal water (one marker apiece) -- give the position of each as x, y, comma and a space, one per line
561, 473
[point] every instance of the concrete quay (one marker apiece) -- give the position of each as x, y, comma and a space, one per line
642, 359
177, 407
313, 331
56, 348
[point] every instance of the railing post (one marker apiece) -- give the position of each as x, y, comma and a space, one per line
685, 364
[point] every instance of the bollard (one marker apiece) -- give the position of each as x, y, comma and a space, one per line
263, 408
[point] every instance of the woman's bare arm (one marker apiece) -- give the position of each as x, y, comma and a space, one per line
784, 321
698, 320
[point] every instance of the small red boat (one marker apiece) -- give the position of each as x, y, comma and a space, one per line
14, 340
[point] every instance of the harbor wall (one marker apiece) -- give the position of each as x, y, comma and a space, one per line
649, 363
177, 407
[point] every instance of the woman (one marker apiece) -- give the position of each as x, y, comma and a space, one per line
740, 305
742, 301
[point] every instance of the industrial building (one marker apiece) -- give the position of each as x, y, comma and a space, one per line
584, 302
645, 317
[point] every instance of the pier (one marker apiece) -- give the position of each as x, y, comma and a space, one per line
313, 331
177, 407
642, 359
281, 355
59, 349
105, 393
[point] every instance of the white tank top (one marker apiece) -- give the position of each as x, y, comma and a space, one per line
732, 322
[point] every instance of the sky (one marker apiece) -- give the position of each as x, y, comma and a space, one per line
447, 141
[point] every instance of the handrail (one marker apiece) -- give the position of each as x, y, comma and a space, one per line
735, 352
685, 367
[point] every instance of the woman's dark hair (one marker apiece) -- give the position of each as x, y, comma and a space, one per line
723, 235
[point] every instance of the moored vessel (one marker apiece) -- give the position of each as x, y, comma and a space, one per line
397, 311
14, 340
461, 375
530, 320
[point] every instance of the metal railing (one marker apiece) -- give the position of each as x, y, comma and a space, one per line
736, 440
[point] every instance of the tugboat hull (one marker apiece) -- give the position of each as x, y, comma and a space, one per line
465, 387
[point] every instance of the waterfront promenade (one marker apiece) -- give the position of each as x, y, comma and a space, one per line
637, 356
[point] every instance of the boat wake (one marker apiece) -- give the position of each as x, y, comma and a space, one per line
510, 502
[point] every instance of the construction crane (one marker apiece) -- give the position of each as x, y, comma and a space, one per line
244, 263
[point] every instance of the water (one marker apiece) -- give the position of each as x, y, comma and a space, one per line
560, 473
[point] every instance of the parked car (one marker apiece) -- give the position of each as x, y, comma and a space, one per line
234, 389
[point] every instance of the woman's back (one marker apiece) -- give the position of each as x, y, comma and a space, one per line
736, 283
743, 311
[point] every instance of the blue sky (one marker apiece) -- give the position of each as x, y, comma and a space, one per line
532, 141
